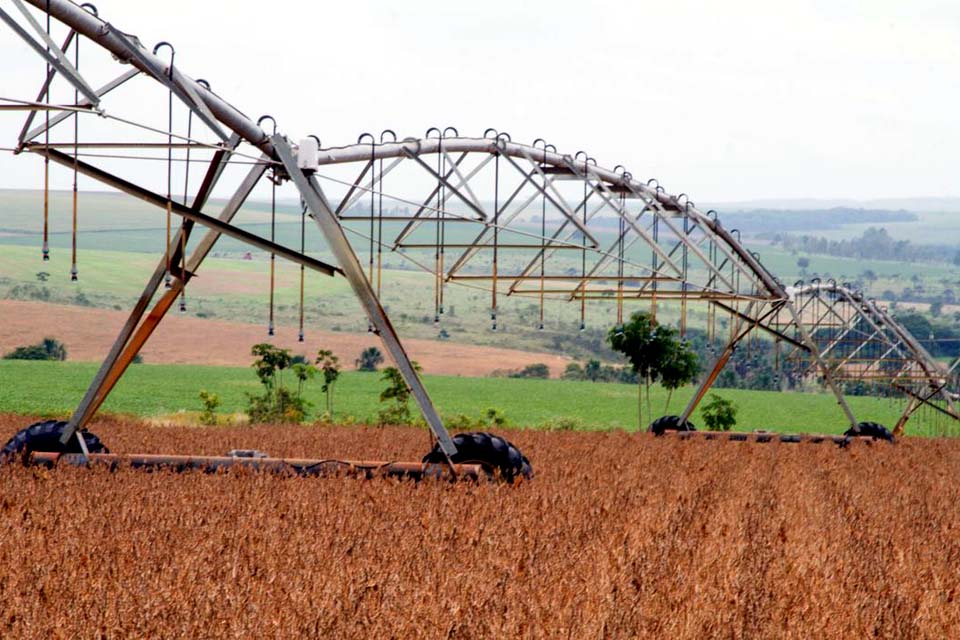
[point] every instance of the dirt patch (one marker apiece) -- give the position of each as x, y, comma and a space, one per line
89, 333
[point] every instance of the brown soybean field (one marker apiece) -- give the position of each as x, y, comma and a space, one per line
619, 535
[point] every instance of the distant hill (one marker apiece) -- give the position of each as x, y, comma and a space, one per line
757, 221
919, 205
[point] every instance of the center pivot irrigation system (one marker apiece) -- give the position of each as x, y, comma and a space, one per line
512, 220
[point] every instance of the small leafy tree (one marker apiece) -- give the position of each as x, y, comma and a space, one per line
210, 403
680, 368
303, 372
329, 366
277, 402
370, 358
396, 396
653, 350
591, 370
719, 414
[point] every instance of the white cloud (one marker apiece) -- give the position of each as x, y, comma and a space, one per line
722, 100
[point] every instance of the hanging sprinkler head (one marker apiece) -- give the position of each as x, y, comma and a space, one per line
583, 327
73, 274
436, 319
540, 327
167, 280
183, 304
369, 328
300, 337
46, 251
270, 329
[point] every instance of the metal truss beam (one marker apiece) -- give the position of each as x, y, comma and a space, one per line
123, 350
56, 59
60, 117
184, 212
100, 32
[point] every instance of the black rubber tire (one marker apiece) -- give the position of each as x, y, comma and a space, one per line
499, 458
874, 430
669, 423
45, 436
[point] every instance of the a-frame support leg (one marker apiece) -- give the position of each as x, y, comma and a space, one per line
129, 343
326, 220
160, 309
907, 412
739, 334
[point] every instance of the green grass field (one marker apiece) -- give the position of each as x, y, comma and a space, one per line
54, 388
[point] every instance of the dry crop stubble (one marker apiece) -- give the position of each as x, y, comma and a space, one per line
619, 535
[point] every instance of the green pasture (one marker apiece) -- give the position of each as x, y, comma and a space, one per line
54, 388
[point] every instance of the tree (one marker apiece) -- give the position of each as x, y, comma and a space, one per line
330, 368
653, 349
277, 402
591, 370
397, 393
370, 358
303, 372
680, 368
719, 414
210, 403
803, 264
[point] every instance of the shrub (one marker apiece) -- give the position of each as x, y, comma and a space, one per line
210, 403
460, 422
493, 417
573, 371
719, 414
397, 393
277, 404
535, 370
370, 358
489, 418
562, 424
46, 349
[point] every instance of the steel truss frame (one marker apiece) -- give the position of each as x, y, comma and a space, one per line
663, 247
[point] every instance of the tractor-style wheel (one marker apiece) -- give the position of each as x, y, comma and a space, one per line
45, 436
497, 456
669, 423
873, 430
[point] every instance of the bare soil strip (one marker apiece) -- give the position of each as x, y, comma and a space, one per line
88, 334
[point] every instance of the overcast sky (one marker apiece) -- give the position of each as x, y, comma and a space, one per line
724, 101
